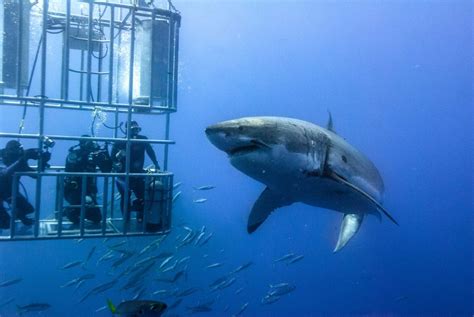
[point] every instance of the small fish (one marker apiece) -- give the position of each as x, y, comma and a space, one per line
199, 237
200, 200
186, 292
70, 265
186, 258
296, 259
187, 228
98, 310
90, 254
99, 289
11, 282
213, 265
160, 292
242, 267
218, 281
206, 239
107, 256
6, 302
268, 299
237, 292
285, 257
279, 285
35, 307
205, 187
166, 261
119, 244
242, 309
176, 185
79, 240
137, 308
175, 196
283, 290
401, 298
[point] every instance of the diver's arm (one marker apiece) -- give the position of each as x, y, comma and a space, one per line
151, 154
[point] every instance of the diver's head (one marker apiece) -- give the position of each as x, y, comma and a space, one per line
134, 128
12, 152
87, 145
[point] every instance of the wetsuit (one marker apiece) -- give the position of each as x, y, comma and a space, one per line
137, 161
23, 207
78, 160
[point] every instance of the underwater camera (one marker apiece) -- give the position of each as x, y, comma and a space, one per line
48, 143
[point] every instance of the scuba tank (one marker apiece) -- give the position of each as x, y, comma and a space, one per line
154, 205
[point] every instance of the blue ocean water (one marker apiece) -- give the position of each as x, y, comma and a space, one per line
397, 78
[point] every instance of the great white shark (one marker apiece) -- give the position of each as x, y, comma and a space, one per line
301, 162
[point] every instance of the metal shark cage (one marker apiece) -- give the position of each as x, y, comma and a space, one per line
120, 57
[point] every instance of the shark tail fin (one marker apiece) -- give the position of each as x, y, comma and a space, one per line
111, 306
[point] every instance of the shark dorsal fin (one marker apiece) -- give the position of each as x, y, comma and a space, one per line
329, 125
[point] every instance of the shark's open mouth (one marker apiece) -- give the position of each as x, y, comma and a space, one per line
254, 145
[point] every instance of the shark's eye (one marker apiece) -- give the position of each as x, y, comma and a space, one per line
344, 158
241, 128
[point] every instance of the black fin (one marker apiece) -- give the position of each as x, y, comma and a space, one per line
376, 203
264, 206
330, 126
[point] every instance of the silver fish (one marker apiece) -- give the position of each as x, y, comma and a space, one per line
6, 302
175, 196
213, 265
206, 239
200, 200
35, 307
70, 265
242, 267
268, 299
205, 187
285, 257
166, 261
242, 309
11, 282
296, 259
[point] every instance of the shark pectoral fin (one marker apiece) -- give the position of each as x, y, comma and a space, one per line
363, 193
349, 227
263, 207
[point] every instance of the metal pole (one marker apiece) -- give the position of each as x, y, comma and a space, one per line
65, 70
111, 54
89, 52
105, 193
16, 179
152, 57
83, 204
41, 119
175, 74
167, 135
169, 96
60, 194
19, 49
110, 96
129, 119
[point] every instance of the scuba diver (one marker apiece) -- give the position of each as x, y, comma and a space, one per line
84, 158
16, 160
137, 161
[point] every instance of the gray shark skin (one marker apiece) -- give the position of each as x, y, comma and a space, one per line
301, 162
